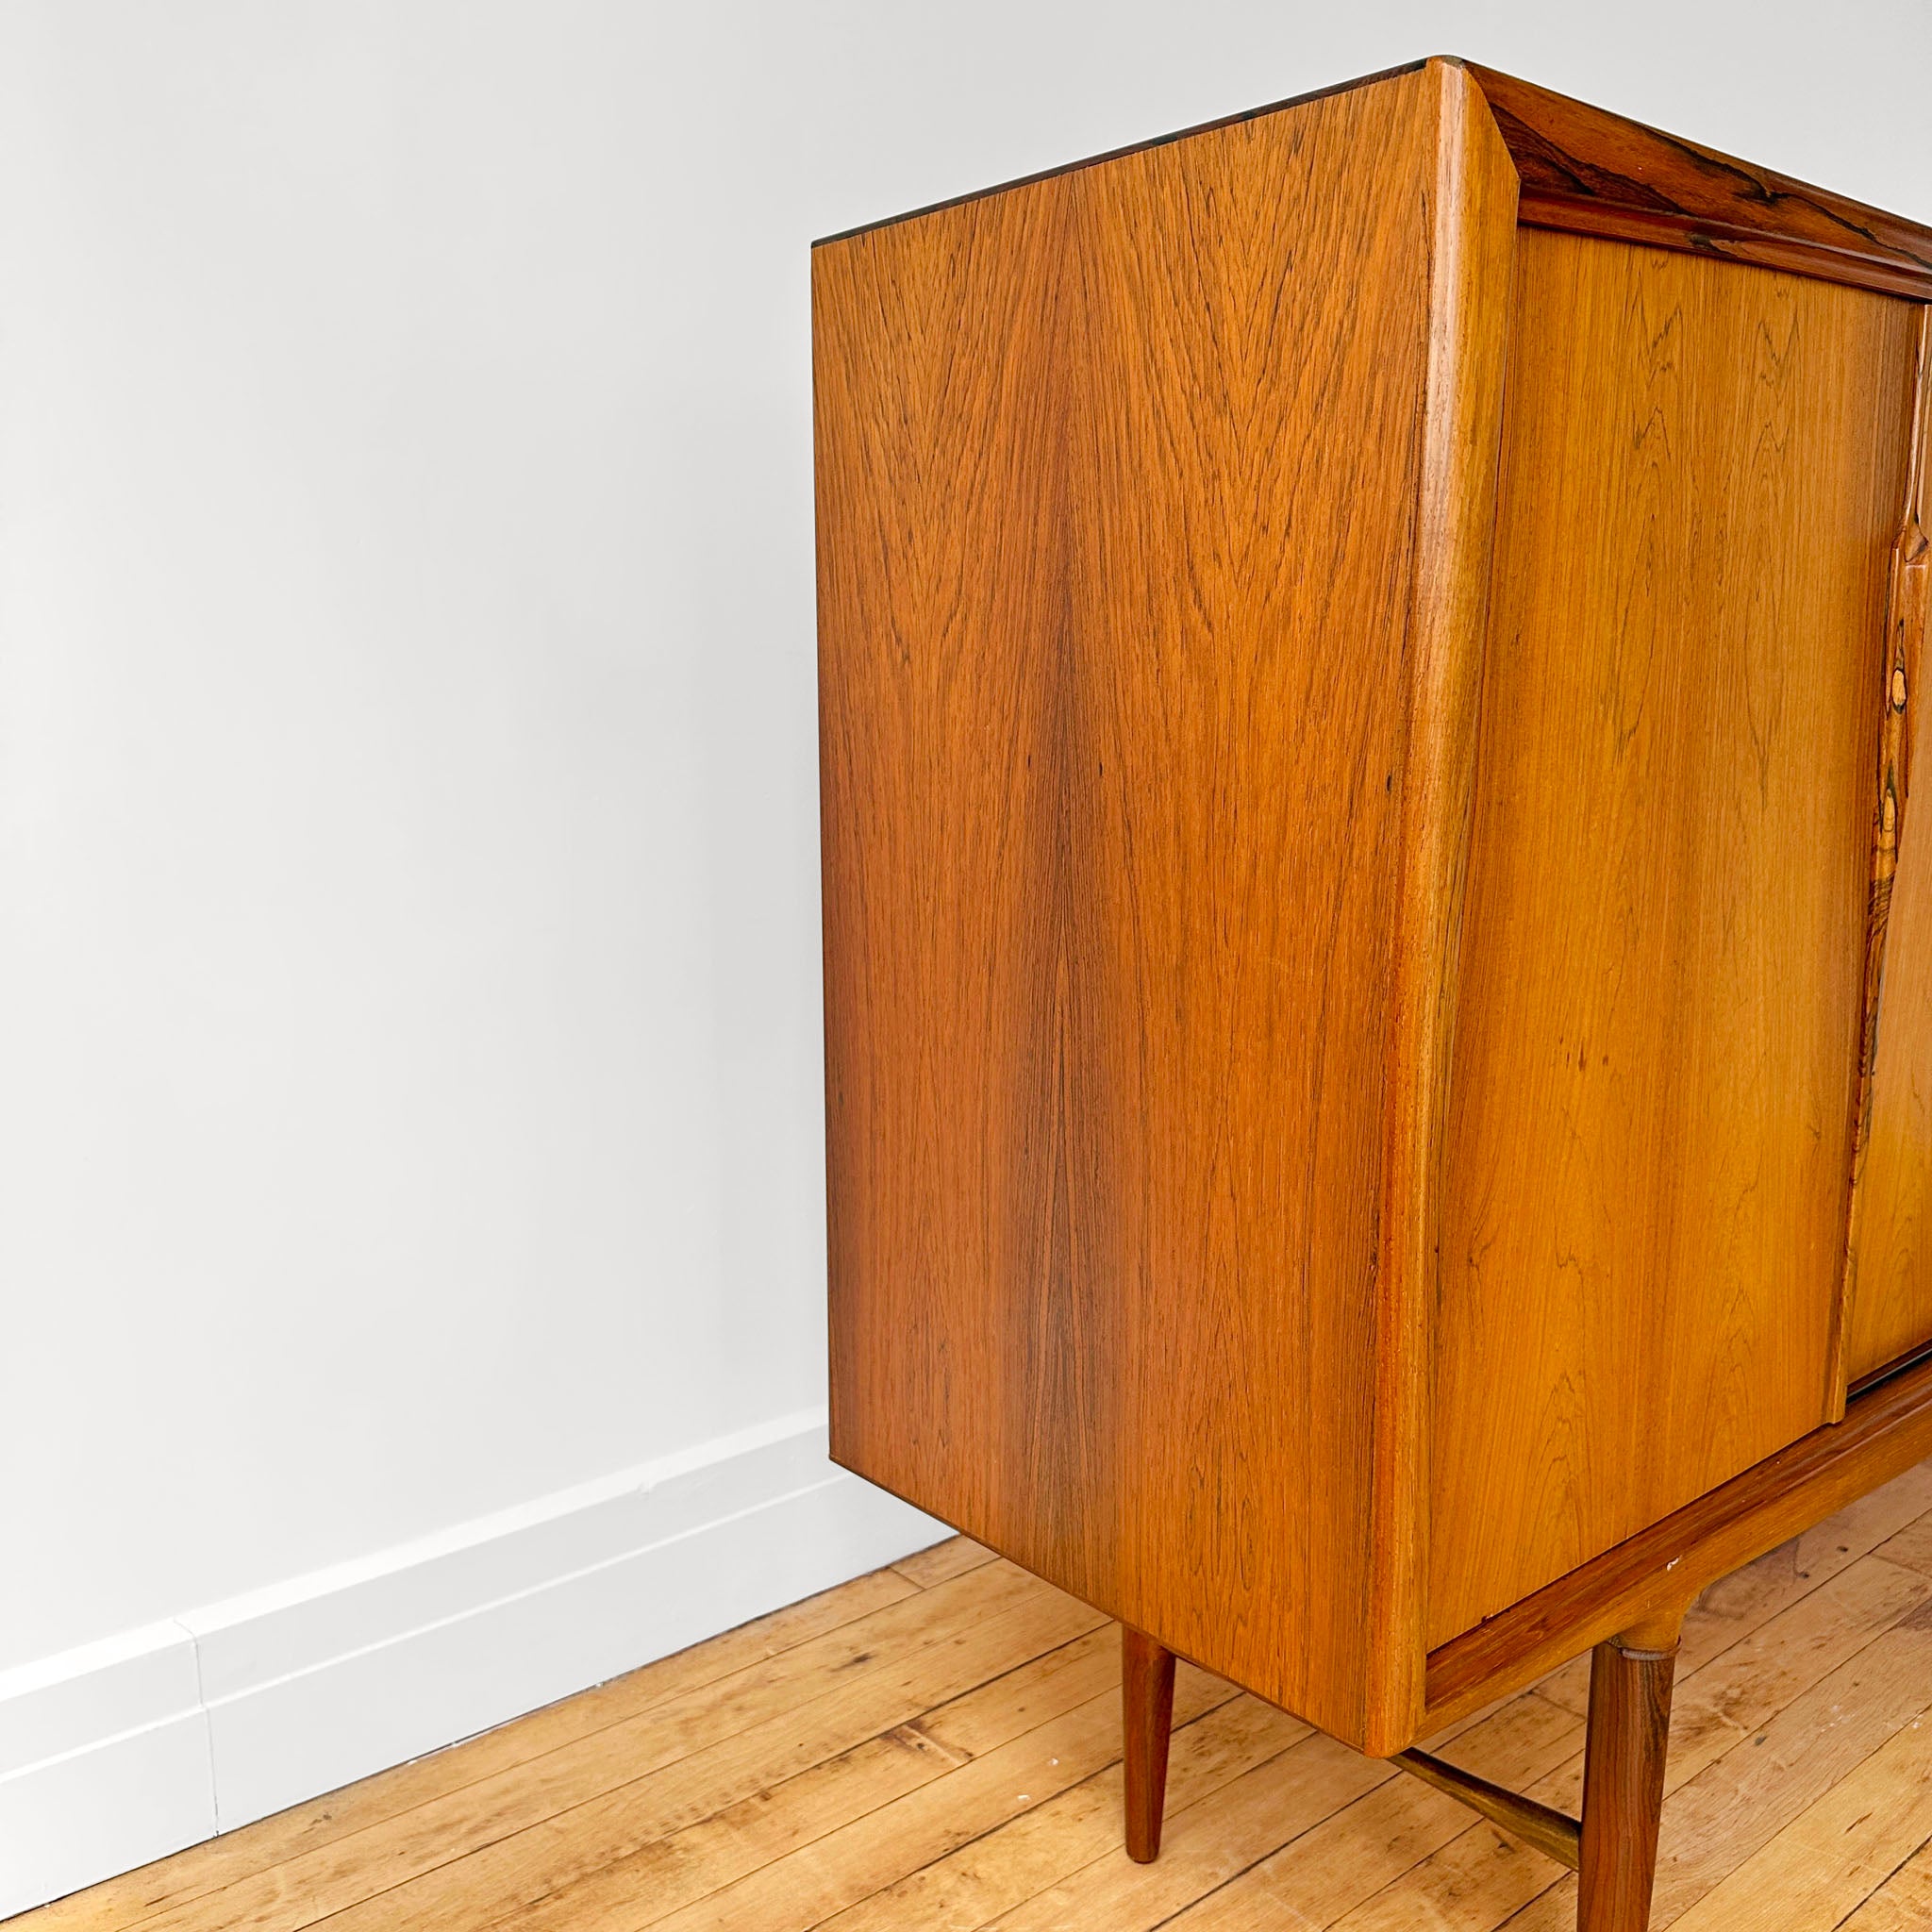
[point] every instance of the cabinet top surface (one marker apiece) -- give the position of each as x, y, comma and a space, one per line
1587, 170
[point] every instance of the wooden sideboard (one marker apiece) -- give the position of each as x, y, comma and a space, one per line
1378, 964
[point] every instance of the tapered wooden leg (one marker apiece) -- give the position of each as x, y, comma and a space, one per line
1147, 1717
1624, 1776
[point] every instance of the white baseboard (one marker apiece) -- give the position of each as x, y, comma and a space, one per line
121, 1752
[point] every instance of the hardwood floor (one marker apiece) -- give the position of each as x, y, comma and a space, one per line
937, 1745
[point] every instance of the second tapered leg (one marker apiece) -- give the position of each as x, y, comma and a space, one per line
1624, 1776
1147, 1718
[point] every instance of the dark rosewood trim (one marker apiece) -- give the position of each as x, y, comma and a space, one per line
1147, 1722
1592, 173
1688, 236
1910, 1360
1624, 1785
1588, 172
1886, 1430
1904, 629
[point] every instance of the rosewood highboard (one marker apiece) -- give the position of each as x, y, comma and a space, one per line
1378, 950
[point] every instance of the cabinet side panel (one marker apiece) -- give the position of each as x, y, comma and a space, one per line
1889, 1278
1117, 474
1659, 1024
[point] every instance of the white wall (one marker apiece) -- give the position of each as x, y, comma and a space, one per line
410, 1093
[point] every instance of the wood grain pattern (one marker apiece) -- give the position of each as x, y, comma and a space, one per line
1888, 1256
1551, 1832
1462, 421
1316, 1161
1886, 1431
1146, 1719
1654, 1059
1587, 171
1623, 1786
1593, 172
1821, 1866
1119, 496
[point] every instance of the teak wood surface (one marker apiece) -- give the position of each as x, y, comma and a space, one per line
1663, 949
1596, 173
1109, 630
1378, 976
1885, 1429
1889, 1280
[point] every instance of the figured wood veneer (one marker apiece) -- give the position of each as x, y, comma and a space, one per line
1363, 652
1585, 171
1889, 1273
1654, 1575
1593, 172
1662, 964
1117, 682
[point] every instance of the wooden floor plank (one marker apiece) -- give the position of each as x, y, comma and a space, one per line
674, 1872
953, 1558
511, 1868
1836, 1853
668, 1873
1469, 1876
1479, 1878
1724, 1815
1058, 1680
129, 1900
1475, 1873
1912, 1546
801, 1891
1204, 1845
626, 1787
1903, 1902
1554, 1910
1365, 1848
1336, 1866
1005, 1867
937, 1747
